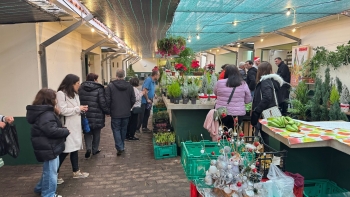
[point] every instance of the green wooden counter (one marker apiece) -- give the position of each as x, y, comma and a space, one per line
315, 160
188, 120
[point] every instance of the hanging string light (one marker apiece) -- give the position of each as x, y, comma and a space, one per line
262, 40
288, 12
234, 23
197, 36
293, 30
92, 30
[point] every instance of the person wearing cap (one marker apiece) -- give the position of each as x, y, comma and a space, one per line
222, 74
257, 61
242, 71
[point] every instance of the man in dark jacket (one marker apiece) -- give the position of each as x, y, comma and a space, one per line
120, 98
284, 72
251, 77
92, 94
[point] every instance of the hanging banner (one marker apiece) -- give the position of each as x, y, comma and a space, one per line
299, 55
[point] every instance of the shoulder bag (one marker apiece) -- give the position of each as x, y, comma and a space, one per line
221, 112
272, 111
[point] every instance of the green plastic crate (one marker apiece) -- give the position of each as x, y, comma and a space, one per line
162, 152
155, 109
195, 163
322, 188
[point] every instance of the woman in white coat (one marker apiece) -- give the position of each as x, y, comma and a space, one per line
70, 109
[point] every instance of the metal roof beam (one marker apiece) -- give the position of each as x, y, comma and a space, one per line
48, 42
288, 36
249, 12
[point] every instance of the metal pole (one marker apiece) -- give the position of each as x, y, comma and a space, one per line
83, 56
48, 42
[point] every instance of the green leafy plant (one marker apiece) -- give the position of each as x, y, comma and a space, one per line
160, 103
176, 90
164, 138
339, 84
326, 88
315, 103
130, 72
301, 92
299, 109
334, 98
185, 57
193, 90
160, 115
336, 114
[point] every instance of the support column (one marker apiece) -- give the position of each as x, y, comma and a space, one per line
48, 42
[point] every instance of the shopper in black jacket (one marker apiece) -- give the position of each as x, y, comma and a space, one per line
48, 137
251, 76
120, 98
284, 72
264, 97
92, 94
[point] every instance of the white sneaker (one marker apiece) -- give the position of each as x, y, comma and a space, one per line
60, 181
78, 174
56, 195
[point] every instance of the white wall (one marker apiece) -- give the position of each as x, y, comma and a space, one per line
19, 77
227, 58
63, 56
145, 65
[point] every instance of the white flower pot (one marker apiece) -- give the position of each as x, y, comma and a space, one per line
344, 107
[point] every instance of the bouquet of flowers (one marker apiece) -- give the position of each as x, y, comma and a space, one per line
180, 67
195, 64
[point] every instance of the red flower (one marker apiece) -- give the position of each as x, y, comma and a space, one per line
211, 66
195, 64
223, 115
180, 67
155, 68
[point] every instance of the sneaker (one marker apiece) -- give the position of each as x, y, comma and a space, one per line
119, 153
88, 154
60, 181
133, 138
97, 152
56, 195
78, 174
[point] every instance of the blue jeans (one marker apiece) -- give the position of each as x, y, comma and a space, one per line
48, 183
119, 128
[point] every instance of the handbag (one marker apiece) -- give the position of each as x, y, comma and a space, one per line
221, 112
85, 123
272, 111
136, 110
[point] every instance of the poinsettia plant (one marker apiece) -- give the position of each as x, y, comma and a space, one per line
195, 64
180, 67
171, 46
155, 68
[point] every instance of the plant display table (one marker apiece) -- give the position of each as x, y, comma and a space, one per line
317, 153
188, 120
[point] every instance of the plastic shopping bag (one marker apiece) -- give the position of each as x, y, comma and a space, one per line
10, 140
283, 184
85, 123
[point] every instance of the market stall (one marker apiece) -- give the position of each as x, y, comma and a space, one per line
187, 120
321, 150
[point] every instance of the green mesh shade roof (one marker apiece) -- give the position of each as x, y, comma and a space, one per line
212, 19
140, 23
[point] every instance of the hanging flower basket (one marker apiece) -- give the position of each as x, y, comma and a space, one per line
171, 46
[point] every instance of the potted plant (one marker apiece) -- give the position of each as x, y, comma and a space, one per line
170, 93
171, 46
176, 92
180, 68
210, 68
299, 102
130, 73
345, 99
193, 92
184, 91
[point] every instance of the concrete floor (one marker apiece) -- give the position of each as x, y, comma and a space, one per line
135, 174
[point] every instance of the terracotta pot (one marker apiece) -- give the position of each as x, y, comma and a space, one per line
311, 80
173, 73
305, 79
